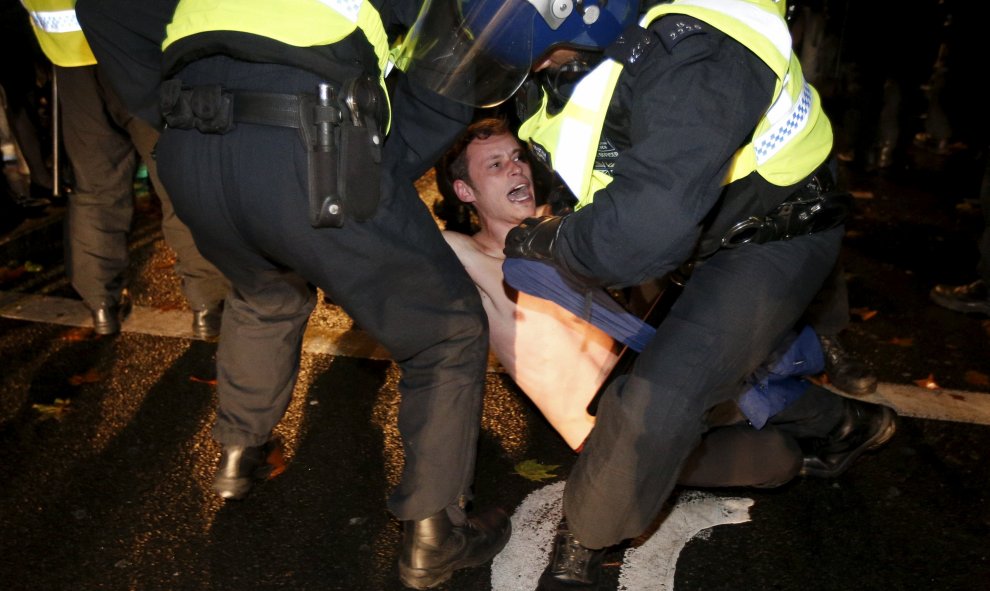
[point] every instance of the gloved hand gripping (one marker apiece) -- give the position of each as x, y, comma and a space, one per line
534, 238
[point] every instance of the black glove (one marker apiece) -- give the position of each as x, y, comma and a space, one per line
534, 238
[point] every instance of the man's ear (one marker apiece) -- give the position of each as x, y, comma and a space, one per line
464, 191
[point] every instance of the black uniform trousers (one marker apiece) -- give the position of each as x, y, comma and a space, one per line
734, 311
244, 195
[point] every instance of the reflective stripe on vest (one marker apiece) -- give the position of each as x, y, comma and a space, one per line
790, 141
59, 34
575, 131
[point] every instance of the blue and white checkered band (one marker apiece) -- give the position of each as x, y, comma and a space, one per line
770, 142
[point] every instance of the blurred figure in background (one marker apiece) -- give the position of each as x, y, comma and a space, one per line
103, 141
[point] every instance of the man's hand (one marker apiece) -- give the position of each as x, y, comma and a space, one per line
534, 238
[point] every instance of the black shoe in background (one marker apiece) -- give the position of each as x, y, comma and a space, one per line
206, 321
433, 548
108, 316
970, 298
844, 372
572, 567
864, 427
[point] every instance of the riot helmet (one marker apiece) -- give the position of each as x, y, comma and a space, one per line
479, 52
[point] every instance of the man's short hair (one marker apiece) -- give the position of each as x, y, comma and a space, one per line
453, 166
454, 163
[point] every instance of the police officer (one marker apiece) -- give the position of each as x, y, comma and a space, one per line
101, 135
694, 133
276, 116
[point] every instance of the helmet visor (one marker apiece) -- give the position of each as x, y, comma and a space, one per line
477, 52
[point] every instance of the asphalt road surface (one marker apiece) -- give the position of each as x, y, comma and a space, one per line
108, 457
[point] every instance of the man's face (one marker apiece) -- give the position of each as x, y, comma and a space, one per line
501, 185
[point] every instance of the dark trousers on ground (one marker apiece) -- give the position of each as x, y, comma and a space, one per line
734, 454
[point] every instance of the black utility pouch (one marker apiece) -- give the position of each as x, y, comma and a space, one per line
361, 143
174, 103
359, 175
211, 106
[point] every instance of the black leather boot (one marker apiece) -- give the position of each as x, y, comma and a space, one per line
844, 372
433, 548
107, 317
970, 298
240, 467
865, 427
572, 566
206, 321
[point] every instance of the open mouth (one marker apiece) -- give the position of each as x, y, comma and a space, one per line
519, 193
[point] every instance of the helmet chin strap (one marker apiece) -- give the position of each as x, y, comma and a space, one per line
559, 82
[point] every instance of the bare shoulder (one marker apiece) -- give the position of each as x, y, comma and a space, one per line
484, 269
463, 245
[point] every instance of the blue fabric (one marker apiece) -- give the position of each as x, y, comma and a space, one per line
778, 383
772, 387
593, 304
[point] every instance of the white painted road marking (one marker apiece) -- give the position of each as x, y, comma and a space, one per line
648, 567
907, 399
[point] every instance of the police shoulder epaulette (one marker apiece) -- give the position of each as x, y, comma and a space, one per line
630, 47
674, 28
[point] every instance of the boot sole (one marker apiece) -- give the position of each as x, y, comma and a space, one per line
420, 579
959, 306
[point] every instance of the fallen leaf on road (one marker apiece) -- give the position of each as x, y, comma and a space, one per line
863, 313
56, 410
859, 194
77, 334
928, 383
89, 377
533, 470
277, 460
11, 273
977, 378
902, 341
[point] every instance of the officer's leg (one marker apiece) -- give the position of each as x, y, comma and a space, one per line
733, 312
202, 283
398, 279
269, 304
101, 207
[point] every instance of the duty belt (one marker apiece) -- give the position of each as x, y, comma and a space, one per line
343, 134
814, 207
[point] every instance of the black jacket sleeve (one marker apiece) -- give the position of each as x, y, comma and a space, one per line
687, 110
126, 38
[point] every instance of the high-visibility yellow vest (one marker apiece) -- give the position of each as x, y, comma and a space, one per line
58, 32
790, 141
300, 23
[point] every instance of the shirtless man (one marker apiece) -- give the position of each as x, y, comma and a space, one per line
566, 358
560, 361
